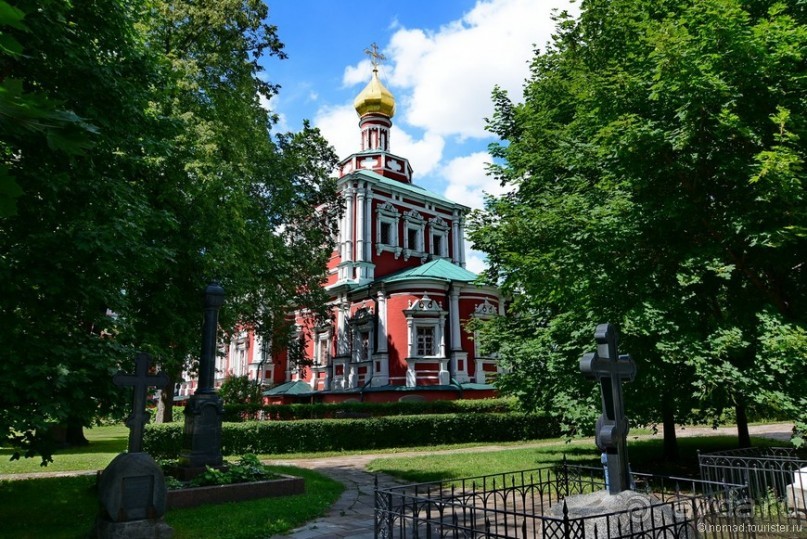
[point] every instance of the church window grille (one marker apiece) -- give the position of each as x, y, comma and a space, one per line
425, 341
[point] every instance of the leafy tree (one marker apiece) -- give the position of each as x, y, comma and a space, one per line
78, 94
160, 176
240, 390
657, 182
242, 205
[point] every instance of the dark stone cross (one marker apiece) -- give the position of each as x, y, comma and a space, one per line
141, 380
611, 369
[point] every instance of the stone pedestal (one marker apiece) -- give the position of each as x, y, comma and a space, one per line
202, 436
601, 515
132, 495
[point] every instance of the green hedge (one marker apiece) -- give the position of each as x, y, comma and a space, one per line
290, 412
276, 437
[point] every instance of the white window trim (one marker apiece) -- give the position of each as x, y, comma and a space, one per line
358, 327
426, 313
414, 221
387, 213
322, 335
438, 227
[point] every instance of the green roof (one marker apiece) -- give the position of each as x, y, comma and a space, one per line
439, 268
290, 388
408, 187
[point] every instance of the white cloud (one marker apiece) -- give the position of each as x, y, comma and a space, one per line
475, 261
451, 72
272, 105
467, 180
340, 126
424, 154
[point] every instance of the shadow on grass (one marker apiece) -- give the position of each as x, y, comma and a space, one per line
66, 507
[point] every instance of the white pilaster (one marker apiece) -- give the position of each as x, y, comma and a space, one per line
368, 225
455, 235
361, 213
382, 322
461, 242
454, 313
349, 195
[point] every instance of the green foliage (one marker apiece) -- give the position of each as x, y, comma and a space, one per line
277, 437
287, 412
657, 182
247, 470
240, 390
137, 165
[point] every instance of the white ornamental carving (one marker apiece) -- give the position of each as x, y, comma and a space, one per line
425, 304
485, 309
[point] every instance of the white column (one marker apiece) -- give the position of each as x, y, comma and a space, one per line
441, 341
368, 225
410, 330
382, 322
454, 312
361, 213
349, 192
455, 235
341, 323
461, 242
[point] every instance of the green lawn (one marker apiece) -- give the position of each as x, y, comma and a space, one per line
645, 456
105, 443
65, 508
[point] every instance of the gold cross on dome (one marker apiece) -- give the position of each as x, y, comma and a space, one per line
375, 56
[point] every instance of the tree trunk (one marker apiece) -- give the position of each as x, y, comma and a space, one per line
670, 439
165, 404
74, 434
743, 436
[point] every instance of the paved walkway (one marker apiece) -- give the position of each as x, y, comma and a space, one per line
352, 516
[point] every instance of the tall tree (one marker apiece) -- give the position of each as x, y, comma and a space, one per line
243, 205
177, 183
657, 181
77, 237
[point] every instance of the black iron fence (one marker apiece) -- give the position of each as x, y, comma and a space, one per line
776, 478
533, 504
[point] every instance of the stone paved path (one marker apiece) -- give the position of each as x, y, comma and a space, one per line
352, 515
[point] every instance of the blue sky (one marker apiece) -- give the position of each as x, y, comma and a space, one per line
443, 58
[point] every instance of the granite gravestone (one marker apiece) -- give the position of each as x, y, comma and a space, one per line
131, 490
203, 414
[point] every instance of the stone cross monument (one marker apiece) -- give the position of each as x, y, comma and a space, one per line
611, 369
131, 489
141, 380
203, 414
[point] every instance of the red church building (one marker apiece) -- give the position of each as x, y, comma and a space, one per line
400, 295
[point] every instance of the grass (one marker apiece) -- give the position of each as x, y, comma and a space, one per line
645, 456
105, 444
65, 508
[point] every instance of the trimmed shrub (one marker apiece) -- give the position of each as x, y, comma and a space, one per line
276, 437
290, 412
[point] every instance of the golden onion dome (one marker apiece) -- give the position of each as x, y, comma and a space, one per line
375, 98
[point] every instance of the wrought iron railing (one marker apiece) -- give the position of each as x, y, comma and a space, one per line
532, 504
772, 475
